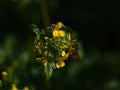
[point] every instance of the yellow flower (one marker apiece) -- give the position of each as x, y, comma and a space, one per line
4, 73
58, 25
63, 53
46, 38
55, 33
45, 64
61, 33
60, 63
69, 37
37, 46
39, 59
25, 88
14, 87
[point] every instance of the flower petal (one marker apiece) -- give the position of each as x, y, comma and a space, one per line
57, 65
62, 64
45, 63
55, 33
69, 37
61, 33
63, 53
59, 25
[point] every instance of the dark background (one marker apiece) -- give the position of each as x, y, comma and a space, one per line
97, 25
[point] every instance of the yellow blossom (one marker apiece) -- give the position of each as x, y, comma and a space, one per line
63, 53
45, 64
61, 33
58, 25
57, 66
60, 63
46, 38
4, 73
55, 33
25, 88
69, 37
39, 59
37, 46
14, 87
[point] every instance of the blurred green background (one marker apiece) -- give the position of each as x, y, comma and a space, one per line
97, 23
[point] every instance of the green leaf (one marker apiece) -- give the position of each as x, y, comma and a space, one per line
42, 31
49, 70
37, 32
33, 25
52, 65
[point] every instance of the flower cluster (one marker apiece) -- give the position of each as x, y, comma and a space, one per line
5, 80
53, 46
